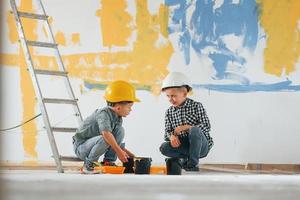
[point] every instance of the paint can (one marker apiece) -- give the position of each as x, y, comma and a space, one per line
129, 166
142, 165
173, 166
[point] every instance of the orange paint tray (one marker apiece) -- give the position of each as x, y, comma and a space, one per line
158, 170
111, 169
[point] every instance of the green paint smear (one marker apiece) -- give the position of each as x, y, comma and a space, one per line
102, 86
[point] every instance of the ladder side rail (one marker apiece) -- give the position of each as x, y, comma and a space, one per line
37, 88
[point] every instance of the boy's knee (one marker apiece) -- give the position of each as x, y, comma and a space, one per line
195, 132
122, 145
164, 147
119, 134
100, 144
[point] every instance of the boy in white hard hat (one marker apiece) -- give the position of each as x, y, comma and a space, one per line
102, 133
187, 126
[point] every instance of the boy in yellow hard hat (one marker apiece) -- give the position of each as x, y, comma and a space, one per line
187, 126
102, 132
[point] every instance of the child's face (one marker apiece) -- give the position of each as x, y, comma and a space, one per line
123, 109
176, 96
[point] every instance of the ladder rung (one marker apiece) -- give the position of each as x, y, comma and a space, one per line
32, 15
41, 44
63, 129
48, 72
60, 101
70, 158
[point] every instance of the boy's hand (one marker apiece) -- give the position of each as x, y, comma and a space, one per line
174, 141
122, 155
179, 129
129, 153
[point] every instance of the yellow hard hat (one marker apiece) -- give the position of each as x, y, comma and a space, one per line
118, 91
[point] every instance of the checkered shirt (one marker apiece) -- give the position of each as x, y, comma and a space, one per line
190, 113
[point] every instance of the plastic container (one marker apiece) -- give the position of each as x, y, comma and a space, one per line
142, 165
129, 166
173, 166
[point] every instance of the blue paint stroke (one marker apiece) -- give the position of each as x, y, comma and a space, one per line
206, 30
237, 77
179, 15
207, 27
184, 45
231, 88
179, 25
254, 87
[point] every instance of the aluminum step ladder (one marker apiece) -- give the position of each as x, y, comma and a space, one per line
37, 72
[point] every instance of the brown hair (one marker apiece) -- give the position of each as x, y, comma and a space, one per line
188, 88
112, 104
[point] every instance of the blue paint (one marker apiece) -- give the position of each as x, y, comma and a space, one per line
202, 24
220, 61
179, 15
239, 19
237, 77
244, 87
179, 24
254, 87
184, 44
207, 27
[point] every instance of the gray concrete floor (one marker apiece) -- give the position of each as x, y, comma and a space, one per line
37, 185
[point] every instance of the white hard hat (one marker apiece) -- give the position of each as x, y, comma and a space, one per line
176, 79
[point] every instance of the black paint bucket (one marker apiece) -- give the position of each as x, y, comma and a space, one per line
142, 165
129, 166
173, 166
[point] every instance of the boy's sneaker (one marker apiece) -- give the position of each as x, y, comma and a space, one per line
89, 167
183, 162
192, 169
189, 167
107, 163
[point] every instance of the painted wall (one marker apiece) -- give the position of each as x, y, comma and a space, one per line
241, 55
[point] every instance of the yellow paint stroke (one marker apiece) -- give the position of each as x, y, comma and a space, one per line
164, 20
29, 102
28, 97
114, 19
12, 31
146, 64
60, 38
50, 20
75, 38
28, 94
9, 60
280, 22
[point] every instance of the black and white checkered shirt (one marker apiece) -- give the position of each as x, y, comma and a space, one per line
190, 113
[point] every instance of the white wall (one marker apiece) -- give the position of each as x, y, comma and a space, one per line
250, 127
